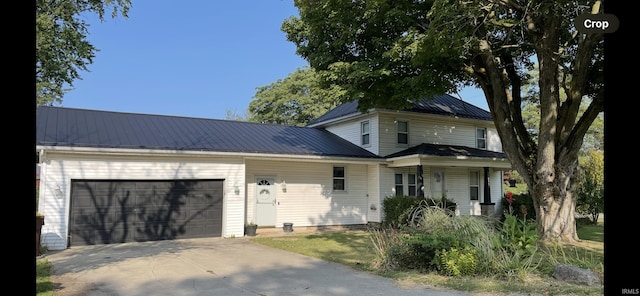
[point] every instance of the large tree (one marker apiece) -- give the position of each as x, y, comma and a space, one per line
62, 48
295, 100
385, 53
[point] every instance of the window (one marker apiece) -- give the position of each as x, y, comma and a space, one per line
481, 138
365, 133
399, 185
338, 178
474, 185
403, 132
412, 184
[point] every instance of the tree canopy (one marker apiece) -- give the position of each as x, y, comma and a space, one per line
295, 100
62, 47
386, 53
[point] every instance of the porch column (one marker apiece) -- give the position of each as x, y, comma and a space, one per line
487, 208
419, 192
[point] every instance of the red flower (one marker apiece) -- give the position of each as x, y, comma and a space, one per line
509, 197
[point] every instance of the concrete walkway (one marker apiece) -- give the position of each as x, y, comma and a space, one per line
211, 266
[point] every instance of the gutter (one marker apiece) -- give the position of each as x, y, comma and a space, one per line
203, 153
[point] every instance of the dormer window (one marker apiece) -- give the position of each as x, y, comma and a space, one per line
364, 131
481, 138
403, 132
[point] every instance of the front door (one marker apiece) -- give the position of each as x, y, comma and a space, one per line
265, 202
437, 183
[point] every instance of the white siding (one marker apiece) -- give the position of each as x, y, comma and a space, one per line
386, 183
350, 131
374, 197
59, 170
433, 130
457, 189
309, 199
495, 181
456, 186
493, 140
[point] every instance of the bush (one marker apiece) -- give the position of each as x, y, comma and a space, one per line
519, 235
457, 261
399, 209
590, 200
521, 206
421, 249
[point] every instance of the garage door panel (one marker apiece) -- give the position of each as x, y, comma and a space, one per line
83, 236
198, 230
202, 199
106, 211
118, 234
107, 234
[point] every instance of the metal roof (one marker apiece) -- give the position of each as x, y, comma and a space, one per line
439, 104
60, 126
447, 150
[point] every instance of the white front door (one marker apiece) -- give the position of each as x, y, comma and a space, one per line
265, 202
437, 183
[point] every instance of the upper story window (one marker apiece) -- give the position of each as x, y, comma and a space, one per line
364, 131
481, 138
403, 132
339, 180
474, 185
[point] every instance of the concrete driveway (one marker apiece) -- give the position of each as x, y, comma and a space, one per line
211, 266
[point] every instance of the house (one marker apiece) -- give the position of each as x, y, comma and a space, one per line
112, 177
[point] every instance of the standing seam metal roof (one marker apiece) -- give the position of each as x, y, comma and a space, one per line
59, 126
439, 104
448, 150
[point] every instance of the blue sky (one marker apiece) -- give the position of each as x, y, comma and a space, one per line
195, 58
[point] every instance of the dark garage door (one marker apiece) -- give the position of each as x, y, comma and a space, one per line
108, 211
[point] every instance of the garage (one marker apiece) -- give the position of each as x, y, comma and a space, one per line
119, 211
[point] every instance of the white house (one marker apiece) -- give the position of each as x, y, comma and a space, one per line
111, 177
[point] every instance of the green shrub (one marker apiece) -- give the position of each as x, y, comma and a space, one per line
442, 202
407, 249
521, 206
584, 221
519, 234
590, 200
457, 261
443, 206
397, 208
421, 249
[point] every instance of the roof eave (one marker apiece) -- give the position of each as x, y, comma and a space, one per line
459, 160
193, 153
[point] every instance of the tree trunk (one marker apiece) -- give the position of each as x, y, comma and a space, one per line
555, 210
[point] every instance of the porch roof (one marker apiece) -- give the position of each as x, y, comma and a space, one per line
426, 149
449, 155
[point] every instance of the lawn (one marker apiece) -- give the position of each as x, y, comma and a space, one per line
44, 286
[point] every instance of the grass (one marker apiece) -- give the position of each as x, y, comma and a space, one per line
44, 286
350, 248
519, 189
356, 250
